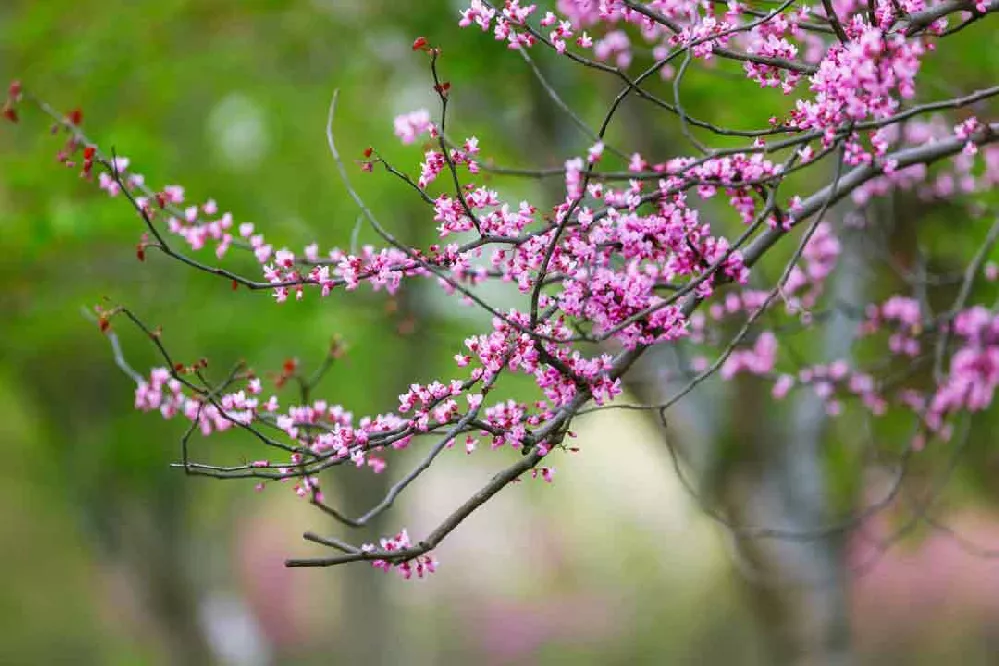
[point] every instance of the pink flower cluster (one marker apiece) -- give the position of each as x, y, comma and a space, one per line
974, 368
410, 126
164, 393
833, 382
904, 316
819, 258
422, 565
975, 170
862, 79
757, 360
324, 433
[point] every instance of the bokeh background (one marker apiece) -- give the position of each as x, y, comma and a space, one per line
111, 557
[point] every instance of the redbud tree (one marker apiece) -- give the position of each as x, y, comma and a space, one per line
723, 252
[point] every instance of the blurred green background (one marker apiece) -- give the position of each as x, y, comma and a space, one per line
110, 557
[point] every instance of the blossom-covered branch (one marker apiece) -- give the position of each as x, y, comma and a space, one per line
627, 255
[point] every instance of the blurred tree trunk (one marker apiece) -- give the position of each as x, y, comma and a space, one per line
760, 463
151, 553
134, 516
762, 466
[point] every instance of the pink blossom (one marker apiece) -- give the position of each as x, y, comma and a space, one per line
410, 126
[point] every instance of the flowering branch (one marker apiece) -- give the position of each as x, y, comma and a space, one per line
629, 257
